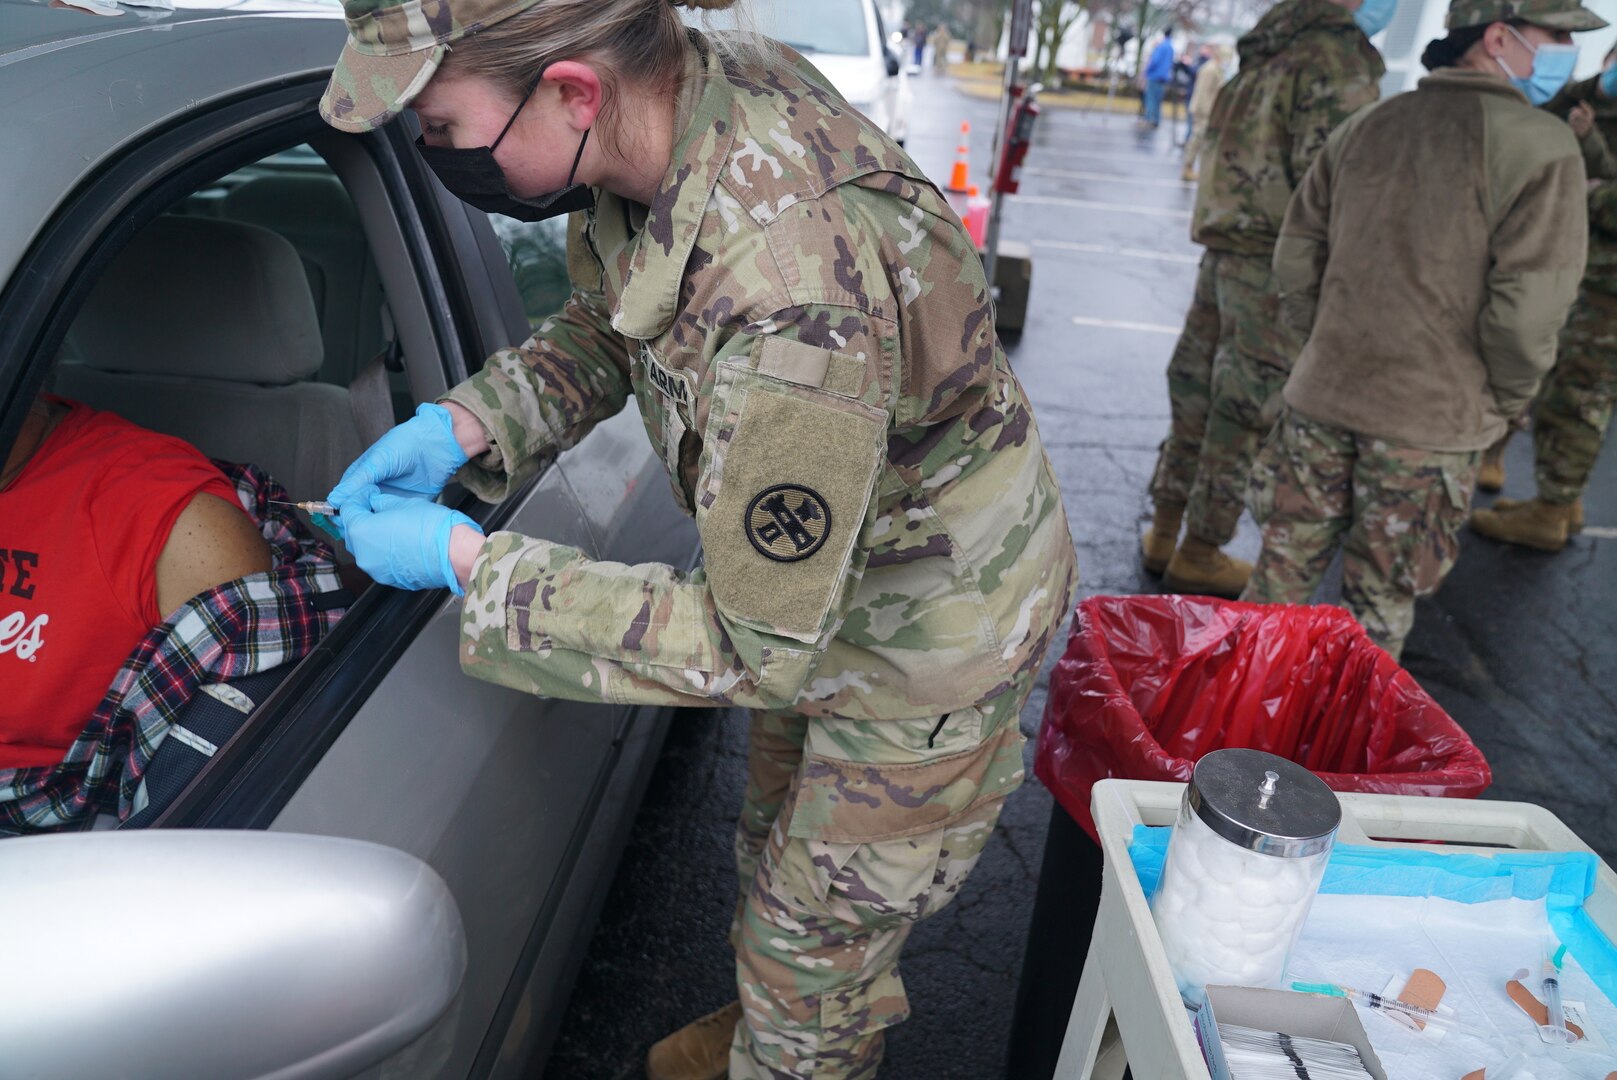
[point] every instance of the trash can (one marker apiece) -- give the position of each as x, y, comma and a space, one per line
1148, 685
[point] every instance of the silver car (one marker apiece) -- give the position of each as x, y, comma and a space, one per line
296, 946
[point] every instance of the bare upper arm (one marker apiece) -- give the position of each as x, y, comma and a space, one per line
213, 541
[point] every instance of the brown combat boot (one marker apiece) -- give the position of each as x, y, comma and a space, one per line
1188, 174
1156, 546
1573, 527
1202, 569
1534, 523
1491, 473
698, 1051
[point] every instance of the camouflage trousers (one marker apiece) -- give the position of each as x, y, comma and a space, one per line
819, 924
1224, 383
1395, 511
1574, 408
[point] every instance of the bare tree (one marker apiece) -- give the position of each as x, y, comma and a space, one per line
1054, 20
983, 20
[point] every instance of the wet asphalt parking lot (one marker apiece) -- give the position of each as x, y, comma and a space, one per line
1519, 647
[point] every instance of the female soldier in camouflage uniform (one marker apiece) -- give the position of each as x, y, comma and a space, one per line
808, 335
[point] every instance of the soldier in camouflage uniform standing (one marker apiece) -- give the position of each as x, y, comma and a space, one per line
1307, 66
1429, 256
1575, 407
807, 332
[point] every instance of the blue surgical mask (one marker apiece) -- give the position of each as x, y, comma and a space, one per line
1552, 67
1373, 16
1608, 82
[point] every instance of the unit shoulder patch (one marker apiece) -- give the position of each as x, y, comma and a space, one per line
787, 522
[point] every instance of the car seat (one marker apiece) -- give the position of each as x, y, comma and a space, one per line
206, 329
314, 212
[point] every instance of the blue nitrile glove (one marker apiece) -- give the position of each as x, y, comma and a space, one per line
403, 541
416, 458
1608, 82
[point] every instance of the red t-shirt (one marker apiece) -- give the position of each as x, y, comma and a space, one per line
81, 528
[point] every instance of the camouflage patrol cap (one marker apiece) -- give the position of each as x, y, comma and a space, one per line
394, 47
1551, 14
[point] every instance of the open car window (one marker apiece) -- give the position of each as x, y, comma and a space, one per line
249, 319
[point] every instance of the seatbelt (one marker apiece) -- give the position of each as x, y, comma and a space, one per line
370, 398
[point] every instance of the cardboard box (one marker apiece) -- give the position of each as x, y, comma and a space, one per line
1311, 1015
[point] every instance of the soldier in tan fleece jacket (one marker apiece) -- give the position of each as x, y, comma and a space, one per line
1430, 255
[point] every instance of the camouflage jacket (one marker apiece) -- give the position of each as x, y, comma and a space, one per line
1305, 68
807, 332
1601, 163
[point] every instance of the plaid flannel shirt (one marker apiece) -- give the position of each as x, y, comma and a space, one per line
242, 627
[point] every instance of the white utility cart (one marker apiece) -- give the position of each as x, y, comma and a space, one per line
1127, 981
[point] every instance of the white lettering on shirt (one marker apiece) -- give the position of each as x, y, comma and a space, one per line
20, 636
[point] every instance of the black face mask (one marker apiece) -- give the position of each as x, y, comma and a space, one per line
473, 176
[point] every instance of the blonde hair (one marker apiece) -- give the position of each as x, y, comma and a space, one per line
642, 40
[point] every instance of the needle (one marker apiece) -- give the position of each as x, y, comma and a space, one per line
311, 507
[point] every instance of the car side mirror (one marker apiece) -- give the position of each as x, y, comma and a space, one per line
893, 65
244, 954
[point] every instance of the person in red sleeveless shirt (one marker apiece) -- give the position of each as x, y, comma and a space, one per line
106, 528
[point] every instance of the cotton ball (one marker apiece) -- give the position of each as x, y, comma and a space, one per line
1290, 888
1256, 917
1260, 895
1222, 905
1223, 864
1266, 866
1230, 934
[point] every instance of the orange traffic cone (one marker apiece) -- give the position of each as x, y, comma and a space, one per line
960, 177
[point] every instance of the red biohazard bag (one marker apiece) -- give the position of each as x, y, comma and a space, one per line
1149, 684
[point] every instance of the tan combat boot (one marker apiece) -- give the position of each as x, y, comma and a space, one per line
698, 1051
1202, 569
1573, 527
1188, 174
1491, 473
1533, 523
1156, 546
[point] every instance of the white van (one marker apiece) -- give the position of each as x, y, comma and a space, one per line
847, 41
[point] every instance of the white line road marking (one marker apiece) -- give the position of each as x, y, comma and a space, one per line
1120, 324
1088, 204
1598, 532
1145, 158
1132, 253
1109, 178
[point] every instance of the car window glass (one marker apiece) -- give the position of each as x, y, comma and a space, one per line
537, 252
835, 27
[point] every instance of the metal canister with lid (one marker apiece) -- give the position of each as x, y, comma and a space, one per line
1245, 860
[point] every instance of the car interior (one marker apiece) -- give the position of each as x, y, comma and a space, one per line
250, 321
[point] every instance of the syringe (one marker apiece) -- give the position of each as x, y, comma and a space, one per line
313, 506
1382, 1003
1556, 1029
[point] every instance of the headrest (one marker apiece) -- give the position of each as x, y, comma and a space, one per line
202, 298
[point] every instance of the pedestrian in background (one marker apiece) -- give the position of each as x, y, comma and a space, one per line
1305, 68
1209, 80
1574, 409
1158, 74
941, 43
1430, 255
885, 552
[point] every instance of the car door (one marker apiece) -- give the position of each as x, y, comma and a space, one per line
542, 792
